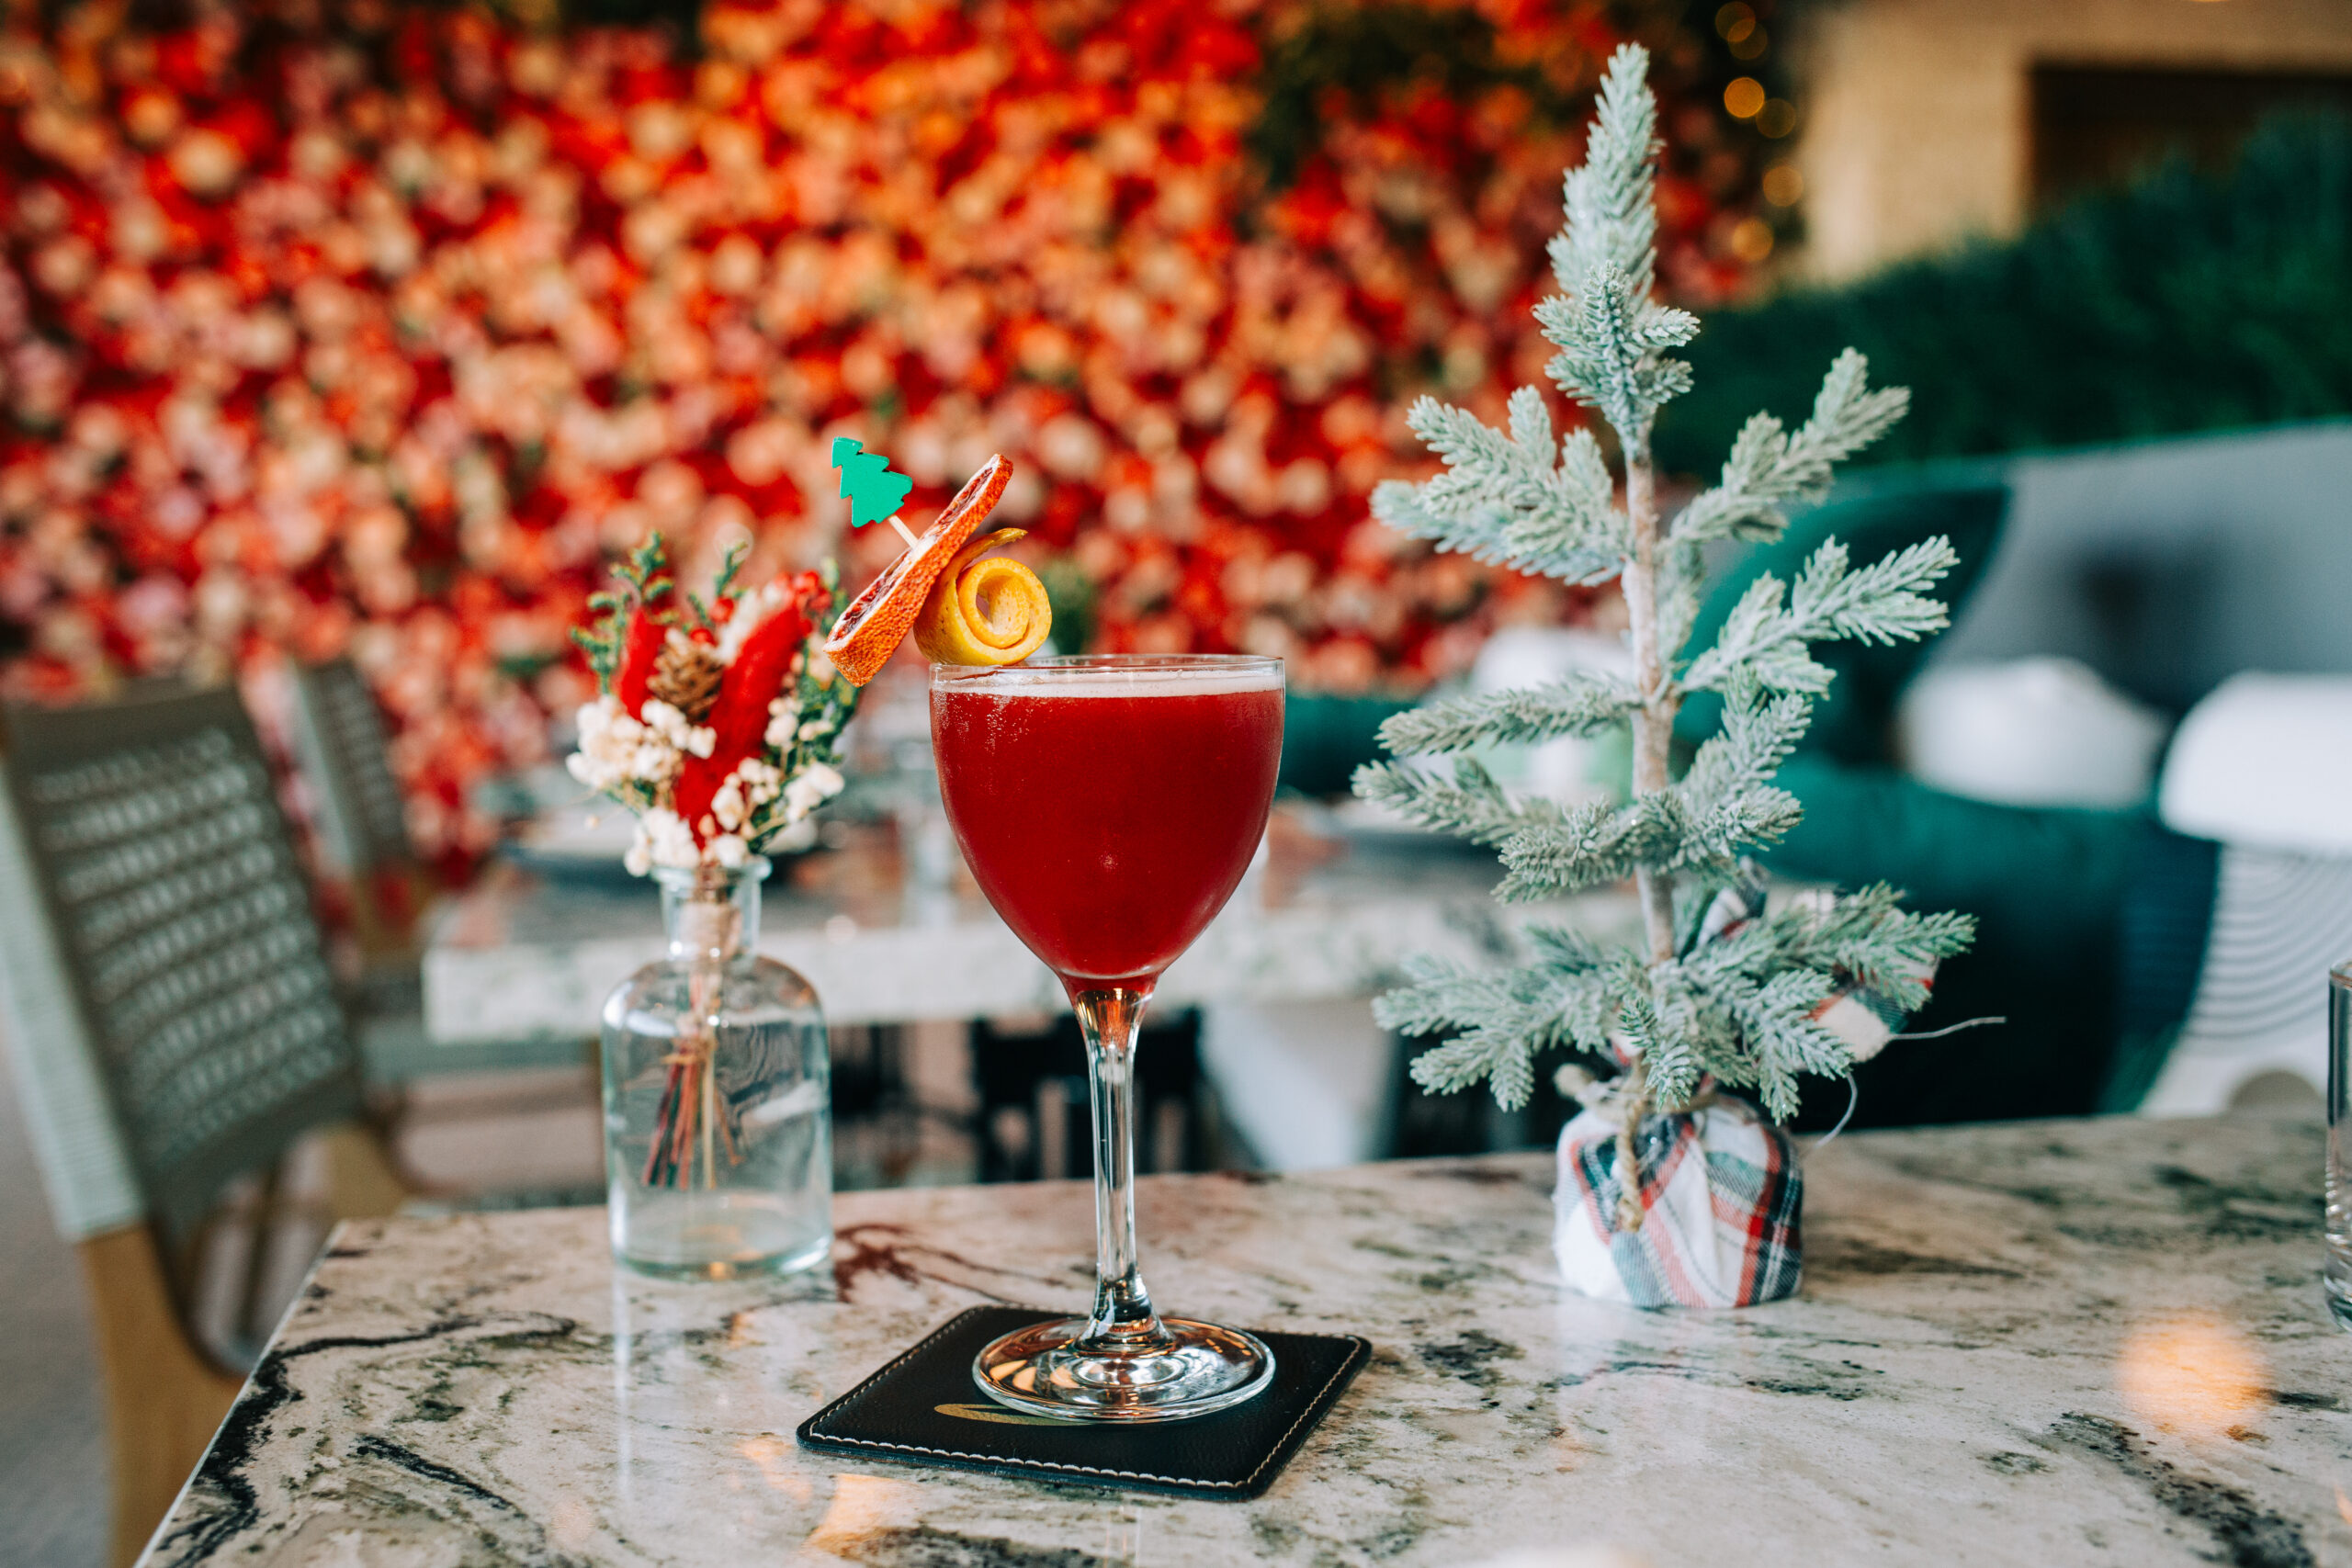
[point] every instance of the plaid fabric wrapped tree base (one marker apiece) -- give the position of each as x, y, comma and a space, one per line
1719, 1195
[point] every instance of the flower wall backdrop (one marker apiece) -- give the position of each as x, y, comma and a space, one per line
378, 331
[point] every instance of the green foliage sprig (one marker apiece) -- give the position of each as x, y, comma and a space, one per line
646, 578
1676, 1009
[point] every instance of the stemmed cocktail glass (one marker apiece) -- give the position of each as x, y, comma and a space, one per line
1108, 807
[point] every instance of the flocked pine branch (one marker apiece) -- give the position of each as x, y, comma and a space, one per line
1612, 351
1884, 602
1468, 802
1741, 1007
1610, 202
1768, 469
1582, 705
1595, 842
1520, 500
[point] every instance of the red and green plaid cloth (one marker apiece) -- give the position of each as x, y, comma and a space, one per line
1720, 1191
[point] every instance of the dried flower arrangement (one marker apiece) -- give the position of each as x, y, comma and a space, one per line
719, 724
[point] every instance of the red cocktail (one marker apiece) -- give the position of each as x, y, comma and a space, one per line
1108, 807
1108, 818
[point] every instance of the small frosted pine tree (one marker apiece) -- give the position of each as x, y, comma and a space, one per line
1740, 1009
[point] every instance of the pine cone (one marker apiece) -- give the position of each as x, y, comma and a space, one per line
686, 676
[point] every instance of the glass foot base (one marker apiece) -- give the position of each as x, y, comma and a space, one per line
1189, 1369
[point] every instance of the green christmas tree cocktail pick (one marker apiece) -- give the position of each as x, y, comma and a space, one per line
873, 492
1676, 1009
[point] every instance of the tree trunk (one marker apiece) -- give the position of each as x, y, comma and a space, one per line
1654, 721
1653, 734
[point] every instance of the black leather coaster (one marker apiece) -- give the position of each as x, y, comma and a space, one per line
924, 1408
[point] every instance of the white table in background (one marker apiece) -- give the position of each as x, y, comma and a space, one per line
1284, 983
523, 955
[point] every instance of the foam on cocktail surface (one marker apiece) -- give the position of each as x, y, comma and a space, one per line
1066, 681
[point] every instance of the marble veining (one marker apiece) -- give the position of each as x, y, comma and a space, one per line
2041, 1343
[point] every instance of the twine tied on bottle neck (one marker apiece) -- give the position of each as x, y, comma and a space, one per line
710, 923
709, 927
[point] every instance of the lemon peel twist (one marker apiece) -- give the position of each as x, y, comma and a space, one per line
984, 611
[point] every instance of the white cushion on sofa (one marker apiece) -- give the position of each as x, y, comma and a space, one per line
2266, 760
2028, 732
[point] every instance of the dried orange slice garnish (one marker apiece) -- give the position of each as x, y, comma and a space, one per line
878, 619
985, 612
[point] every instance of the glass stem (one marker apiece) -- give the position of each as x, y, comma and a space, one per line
1122, 1319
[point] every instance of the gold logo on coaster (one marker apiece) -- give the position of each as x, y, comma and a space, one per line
998, 1412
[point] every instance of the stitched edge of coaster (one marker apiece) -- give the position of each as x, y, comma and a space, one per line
1356, 1343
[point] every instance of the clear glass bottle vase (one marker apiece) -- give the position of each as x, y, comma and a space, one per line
718, 1095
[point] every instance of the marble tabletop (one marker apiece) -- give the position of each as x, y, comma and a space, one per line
2038, 1343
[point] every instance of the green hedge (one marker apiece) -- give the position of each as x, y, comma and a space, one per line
2185, 302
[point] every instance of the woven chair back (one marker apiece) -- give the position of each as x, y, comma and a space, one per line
174, 971
340, 733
